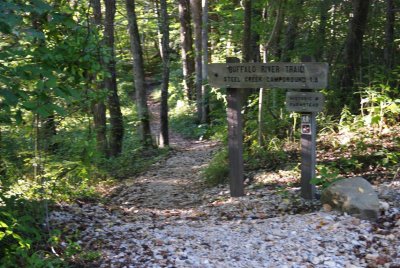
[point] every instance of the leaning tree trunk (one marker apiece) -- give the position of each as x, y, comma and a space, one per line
271, 47
98, 107
138, 74
352, 54
196, 11
110, 83
164, 29
188, 64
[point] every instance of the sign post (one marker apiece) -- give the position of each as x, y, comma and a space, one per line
235, 138
308, 154
308, 104
234, 76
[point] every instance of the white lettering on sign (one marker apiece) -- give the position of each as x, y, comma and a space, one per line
305, 118
304, 101
310, 75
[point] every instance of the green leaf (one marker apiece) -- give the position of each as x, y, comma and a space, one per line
3, 224
60, 93
43, 111
5, 28
9, 97
52, 82
18, 117
58, 109
29, 105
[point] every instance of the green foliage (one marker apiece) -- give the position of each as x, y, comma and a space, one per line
49, 67
378, 107
326, 176
269, 157
22, 239
183, 120
133, 161
217, 171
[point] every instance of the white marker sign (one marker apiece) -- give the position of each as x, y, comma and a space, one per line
304, 101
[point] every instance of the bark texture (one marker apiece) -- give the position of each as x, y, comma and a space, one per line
352, 53
164, 29
187, 54
321, 39
389, 35
98, 107
291, 31
271, 47
110, 83
138, 74
195, 6
205, 58
246, 45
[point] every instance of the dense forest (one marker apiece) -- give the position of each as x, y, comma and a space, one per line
78, 80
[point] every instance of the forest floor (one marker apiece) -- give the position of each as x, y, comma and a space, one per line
168, 217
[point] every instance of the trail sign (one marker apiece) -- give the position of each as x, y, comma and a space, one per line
307, 75
304, 101
234, 76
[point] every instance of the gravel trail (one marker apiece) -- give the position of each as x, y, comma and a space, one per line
166, 217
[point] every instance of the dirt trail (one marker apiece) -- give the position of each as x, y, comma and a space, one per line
173, 183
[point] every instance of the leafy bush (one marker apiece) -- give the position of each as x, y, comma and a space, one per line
22, 238
326, 176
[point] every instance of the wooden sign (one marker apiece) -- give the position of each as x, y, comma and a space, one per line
308, 75
304, 101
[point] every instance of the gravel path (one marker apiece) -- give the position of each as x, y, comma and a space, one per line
166, 217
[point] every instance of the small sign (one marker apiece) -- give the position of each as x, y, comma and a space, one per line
306, 129
304, 101
305, 118
308, 75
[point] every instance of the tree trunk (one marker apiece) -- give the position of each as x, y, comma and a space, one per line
255, 37
164, 29
291, 32
188, 65
271, 47
205, 87
389, 35
110, 83
138, 74
321, 38
246, 45
98, 107
352, 54
196, 11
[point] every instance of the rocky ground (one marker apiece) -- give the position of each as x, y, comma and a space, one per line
166, 217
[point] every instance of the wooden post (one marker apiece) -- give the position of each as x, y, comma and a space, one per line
308, 154
235, 138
